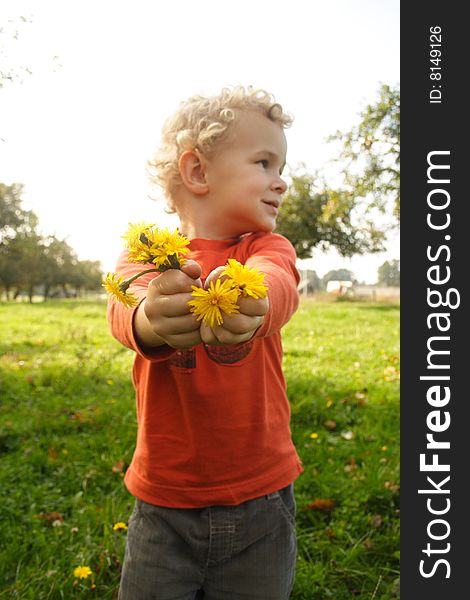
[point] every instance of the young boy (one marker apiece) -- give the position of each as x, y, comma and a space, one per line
214, 463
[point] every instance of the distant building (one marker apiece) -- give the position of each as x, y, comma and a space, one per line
309, 282
338, 288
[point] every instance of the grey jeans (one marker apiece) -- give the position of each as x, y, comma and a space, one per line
244, 552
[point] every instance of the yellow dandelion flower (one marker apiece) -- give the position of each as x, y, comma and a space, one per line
168, 248
147, 243
248, 280
209, 304
174, 241
135, 231
139, 237
82, 572
116, 286
314, 436
119, 525
140, 254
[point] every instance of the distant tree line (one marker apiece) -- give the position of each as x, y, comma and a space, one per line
31, 263
388, 275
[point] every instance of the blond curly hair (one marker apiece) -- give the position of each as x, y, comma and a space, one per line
202, 123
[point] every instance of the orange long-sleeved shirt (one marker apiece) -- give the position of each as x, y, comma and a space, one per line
213, 421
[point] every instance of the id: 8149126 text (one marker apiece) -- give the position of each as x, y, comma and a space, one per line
435, 59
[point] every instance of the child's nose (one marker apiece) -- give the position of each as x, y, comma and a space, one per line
279, 185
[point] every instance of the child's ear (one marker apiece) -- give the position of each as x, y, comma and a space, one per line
192, 172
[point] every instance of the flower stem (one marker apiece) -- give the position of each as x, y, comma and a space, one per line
128, 282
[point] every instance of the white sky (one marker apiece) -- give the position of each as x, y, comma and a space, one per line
78, 131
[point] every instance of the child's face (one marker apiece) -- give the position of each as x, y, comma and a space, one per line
244, 177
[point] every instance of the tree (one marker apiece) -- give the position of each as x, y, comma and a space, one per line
29, 261
12, 216
18, 238
371, 152
389, 273
346, 216
312, 215
10, 275
8, 71
57, 262
338, 275
86, 275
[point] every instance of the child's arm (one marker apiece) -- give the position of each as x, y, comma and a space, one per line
275, 256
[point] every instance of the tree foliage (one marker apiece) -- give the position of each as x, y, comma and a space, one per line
9, 31
33, 263
14, 219
389, 273
314, 213
371, 152
338, 275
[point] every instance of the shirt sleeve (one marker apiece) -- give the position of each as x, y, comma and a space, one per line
121, 318
275, 256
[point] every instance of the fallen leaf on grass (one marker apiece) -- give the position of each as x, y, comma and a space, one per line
393, 358
391, 373
78, 416
324, 505
376, 521
119, 466
361, 398
351, 465
330, 424
390, 485
50, 516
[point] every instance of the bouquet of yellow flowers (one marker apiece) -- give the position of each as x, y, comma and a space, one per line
165, 250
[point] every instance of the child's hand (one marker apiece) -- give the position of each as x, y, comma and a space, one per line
238, 327
166, 311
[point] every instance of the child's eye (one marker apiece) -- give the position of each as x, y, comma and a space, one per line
263, 163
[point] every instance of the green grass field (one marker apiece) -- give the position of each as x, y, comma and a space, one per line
67, 431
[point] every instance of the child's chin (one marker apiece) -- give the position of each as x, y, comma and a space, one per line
270, 228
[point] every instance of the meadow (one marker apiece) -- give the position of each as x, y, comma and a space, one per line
67, 432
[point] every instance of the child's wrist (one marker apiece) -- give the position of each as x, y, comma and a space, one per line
143, 332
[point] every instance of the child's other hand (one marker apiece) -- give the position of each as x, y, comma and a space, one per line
240, 327
166, 307
236, 328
